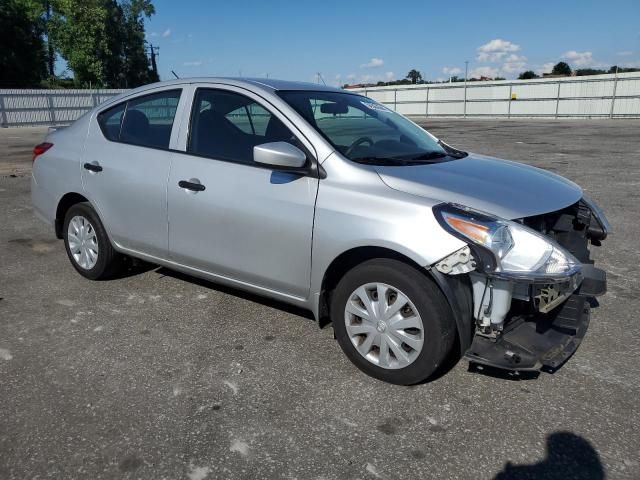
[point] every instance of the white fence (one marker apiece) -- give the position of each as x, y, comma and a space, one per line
597, 96
48, 107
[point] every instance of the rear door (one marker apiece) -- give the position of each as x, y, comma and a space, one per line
247, 222
125, 168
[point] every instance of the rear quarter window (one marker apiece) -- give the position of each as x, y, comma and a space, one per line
110, 121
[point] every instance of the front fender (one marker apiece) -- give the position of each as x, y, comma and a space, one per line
355, 209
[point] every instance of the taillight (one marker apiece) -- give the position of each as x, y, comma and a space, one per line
40, 149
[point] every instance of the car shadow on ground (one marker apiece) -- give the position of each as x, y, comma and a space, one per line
236, 293
132, 267
568, 456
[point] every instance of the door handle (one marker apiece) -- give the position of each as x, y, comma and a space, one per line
93, 167
193, 186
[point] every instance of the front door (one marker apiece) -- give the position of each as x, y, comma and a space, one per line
233, 217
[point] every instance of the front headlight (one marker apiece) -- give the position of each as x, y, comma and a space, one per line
507, 248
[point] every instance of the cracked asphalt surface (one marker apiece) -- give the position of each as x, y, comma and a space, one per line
160, 376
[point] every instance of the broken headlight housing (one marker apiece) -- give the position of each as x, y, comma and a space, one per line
507, 249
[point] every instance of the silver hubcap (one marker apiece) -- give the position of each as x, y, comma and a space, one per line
384, 325
83, 242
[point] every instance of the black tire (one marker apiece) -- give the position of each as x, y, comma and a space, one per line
437, 318
109, 261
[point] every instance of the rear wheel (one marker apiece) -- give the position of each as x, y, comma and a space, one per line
88, 245
392, 321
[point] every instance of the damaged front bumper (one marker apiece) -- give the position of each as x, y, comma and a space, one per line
534, 324
531, 341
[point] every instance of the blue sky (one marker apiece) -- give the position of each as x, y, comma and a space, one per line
365, 41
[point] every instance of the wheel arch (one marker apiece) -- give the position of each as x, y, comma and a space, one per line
67, 201
456, 289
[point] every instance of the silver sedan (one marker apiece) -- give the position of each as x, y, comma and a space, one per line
416, 251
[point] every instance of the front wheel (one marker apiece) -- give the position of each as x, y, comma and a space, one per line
392, 321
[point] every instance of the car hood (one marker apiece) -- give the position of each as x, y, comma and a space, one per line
507, 189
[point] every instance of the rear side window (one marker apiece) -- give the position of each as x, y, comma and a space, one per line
146, 121
226, 125
110, 121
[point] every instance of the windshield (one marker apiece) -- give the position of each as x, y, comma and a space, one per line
366, 131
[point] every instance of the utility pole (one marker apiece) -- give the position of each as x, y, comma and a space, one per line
155, 52
466, 72
51, 56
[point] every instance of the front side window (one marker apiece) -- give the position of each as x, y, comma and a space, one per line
366, 131
226, 126
146, 121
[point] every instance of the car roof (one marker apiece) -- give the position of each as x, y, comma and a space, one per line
269, 84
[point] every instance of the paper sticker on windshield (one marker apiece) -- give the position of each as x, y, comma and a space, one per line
375, 106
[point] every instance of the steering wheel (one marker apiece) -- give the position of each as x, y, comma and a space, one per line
357, 143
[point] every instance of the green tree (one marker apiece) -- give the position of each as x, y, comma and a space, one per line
615, 69
528, 75
79, 31
414, 75
561, 68
136, 63
112, 57
22, 52
103, 40
581, 72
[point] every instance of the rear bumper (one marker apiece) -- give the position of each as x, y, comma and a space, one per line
42, 201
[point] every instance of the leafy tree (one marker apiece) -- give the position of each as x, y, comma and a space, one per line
414, 75
561, 68
103, 40
136, 62
22, 53
623, 69
528, 75
589, 71
112, 57
79, 31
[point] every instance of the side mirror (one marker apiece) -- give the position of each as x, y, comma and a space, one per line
281, 155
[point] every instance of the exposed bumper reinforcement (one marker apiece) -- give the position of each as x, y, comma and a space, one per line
535, 342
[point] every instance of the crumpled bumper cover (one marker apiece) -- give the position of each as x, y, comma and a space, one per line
542, 341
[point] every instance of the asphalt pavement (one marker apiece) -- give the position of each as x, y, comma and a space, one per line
161, 376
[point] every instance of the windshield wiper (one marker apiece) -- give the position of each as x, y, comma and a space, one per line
453, 152
429, 156
391, 161
424, 157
